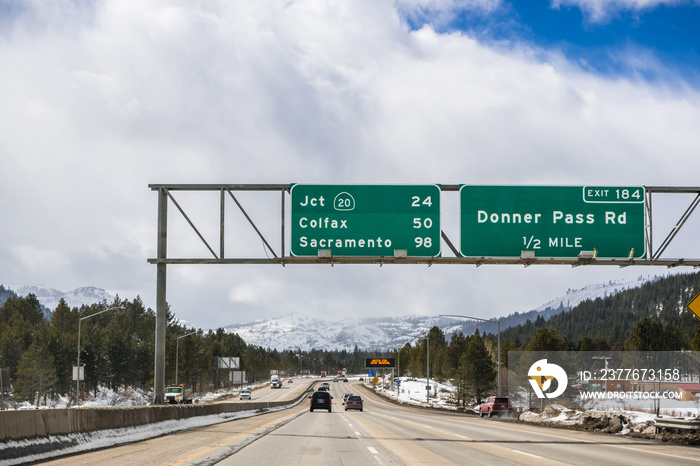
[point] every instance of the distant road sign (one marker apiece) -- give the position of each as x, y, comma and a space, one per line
552, 221
78, 373
366, 220
694, 306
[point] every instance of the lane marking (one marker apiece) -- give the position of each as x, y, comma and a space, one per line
501, 451
573, 437
594, 442
373, 450
358, 434
526, 453
232, 439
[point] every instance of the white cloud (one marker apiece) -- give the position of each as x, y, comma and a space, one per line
98, 103
601, 10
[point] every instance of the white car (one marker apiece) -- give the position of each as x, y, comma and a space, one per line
290, 380
245, 395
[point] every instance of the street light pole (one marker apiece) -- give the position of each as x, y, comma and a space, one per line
177, 353
80, 321
427, 387
493, 321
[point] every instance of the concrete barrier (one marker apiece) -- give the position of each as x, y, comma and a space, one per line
27, 424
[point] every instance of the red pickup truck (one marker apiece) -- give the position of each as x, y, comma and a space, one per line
495, 405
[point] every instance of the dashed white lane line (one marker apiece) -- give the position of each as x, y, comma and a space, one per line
373, 450
527, 454
358, 434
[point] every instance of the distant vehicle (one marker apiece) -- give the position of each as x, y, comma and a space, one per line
346, 396
245, 395
327, 385
321, 400
291, 380
495, 405
354, 402
335, 379
322, 388
362, 379
275, 381
345, 380
178, 395
323, 373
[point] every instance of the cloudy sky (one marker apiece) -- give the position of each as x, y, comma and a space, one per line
99, 99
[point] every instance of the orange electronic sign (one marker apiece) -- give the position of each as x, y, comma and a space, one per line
380, 362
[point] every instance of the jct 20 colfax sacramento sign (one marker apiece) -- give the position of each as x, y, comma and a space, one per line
365, 220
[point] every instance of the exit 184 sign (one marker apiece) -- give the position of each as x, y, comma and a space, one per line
552, 221
365, 220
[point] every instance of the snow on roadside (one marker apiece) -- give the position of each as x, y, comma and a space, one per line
77, 443
612, 422
413, 391
617, 421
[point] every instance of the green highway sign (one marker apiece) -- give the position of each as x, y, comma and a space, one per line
366, 220
552, 221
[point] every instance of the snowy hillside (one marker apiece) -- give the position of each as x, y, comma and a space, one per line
50, 297
292, 332
601, 290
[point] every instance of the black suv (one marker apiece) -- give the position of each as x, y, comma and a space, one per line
321, 400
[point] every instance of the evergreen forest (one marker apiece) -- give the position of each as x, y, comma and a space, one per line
37, 354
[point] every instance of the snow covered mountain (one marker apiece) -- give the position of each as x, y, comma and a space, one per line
292, 332
50, 297
601, 290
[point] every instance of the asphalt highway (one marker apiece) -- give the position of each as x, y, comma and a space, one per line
384, 433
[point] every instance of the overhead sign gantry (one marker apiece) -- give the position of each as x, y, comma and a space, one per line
402, 224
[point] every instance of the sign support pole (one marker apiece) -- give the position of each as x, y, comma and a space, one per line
161, 303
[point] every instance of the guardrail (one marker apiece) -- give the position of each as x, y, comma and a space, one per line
676, 423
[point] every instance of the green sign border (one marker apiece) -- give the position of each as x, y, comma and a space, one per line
497, 232
370, 214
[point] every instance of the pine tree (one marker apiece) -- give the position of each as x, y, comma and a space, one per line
478, 369
36, 376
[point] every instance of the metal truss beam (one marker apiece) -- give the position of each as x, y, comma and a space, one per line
652, 258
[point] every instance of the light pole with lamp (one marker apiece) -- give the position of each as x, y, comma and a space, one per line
493, 321
80, 321
398, 370
398, 366
427, 386
177, 353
